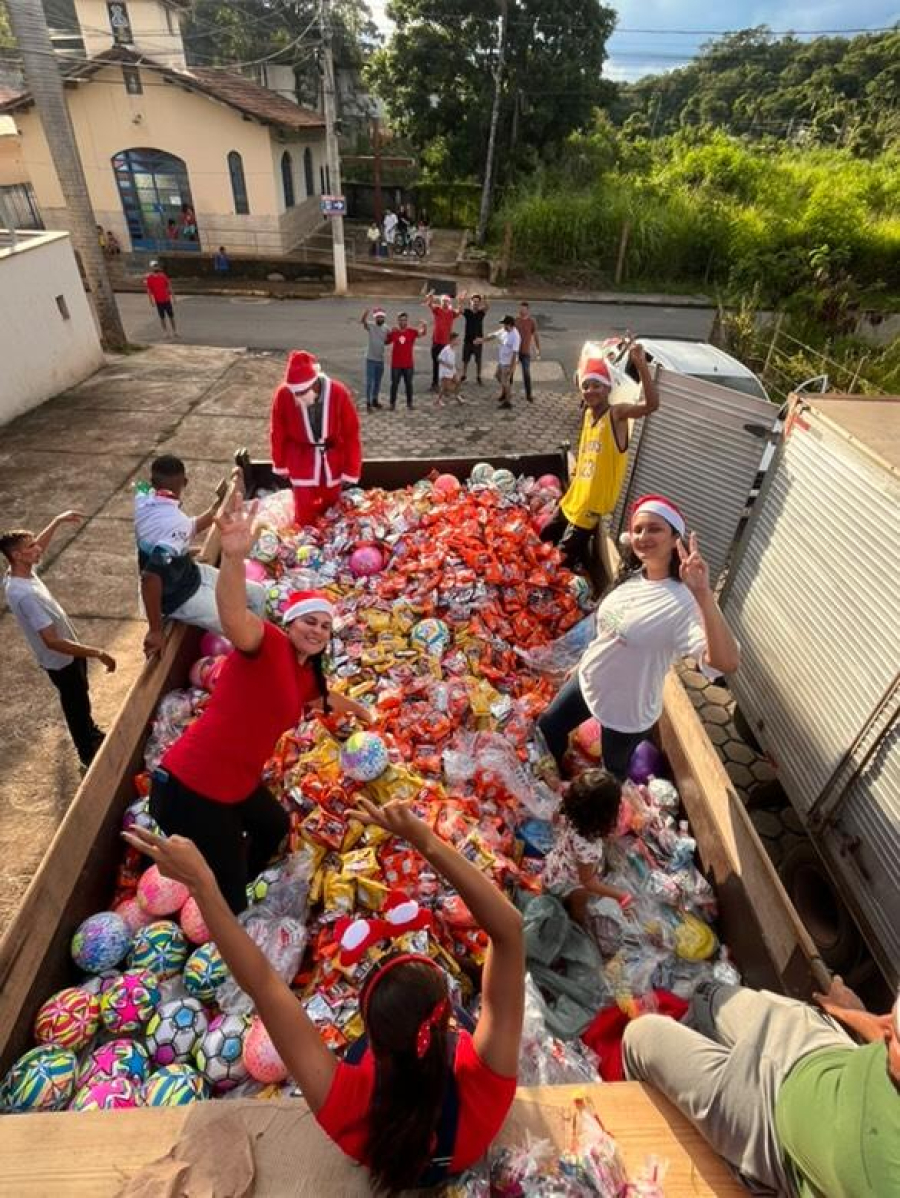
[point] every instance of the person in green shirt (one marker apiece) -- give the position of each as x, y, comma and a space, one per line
780, 1089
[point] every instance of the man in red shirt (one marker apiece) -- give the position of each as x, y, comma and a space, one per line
443, 313
531, 344
402, 341
159, 289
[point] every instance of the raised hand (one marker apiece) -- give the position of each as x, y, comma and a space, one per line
71, 516
236, 525
176, 856
693, 571
637, 355
394, 817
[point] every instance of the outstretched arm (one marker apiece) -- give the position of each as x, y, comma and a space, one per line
499, 1028
69, 517
293, 1033
243, 627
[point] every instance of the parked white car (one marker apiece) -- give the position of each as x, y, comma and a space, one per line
698, 359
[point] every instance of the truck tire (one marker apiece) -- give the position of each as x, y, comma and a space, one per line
821, 908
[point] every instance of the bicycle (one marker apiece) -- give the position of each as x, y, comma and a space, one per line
410, 243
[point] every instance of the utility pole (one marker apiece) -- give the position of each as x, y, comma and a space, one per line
485, 212
44, 81
331, 147
376, 168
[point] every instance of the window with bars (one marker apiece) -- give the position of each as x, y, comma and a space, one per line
238, 183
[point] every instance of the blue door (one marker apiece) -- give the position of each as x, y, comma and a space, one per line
156, 199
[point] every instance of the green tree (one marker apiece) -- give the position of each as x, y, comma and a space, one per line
6, 38
435, 75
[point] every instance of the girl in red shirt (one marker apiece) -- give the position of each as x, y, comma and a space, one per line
423, 1103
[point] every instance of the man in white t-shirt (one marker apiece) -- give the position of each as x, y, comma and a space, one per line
49, 632
508, 354
448, 375
390, 228
173, 585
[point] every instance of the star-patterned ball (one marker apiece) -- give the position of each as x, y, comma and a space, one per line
129, 1002
174, 1085
161, 947
69, 1019
43, 1079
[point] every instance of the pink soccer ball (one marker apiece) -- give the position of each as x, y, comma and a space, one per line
447, 485
261, 1056
192, 923
135, 915
255, 571
160, 895
549, 482
213, 644
366, 560
587, 737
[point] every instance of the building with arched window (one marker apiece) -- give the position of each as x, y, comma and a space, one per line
177, 158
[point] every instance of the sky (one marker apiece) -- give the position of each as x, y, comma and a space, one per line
633, 54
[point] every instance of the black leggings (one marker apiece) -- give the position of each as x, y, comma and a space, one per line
236, 839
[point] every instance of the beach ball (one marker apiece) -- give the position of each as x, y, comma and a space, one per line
255, 571
482, 472
69, 1019
160, 947
41, 1080
505, 481
220, 1053
581, 590
175, 1031
129, 1002
122, 1057
364, 756
447, 485
134, 914
192, 922
161, 895
100, 942
646, 762
107, 1094
549, 482
430, 635
587, 737
266, 546
366, 560
204, 972
213, 644
173, 1085
261, 1056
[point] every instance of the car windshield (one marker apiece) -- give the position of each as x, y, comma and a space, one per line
746, 384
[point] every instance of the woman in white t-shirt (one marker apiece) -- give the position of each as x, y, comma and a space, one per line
660, 608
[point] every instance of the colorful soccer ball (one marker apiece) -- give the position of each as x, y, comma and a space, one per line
430, 635
160, 947
129, 1002
107, 1094
549, 482
41, 1080
366, 560
309, 556
277, 596
101, 942
364, 756
134, 914
175, 1031
261, 1056
447, 485
123, 1057
265, 549
204, 972
220, 1053
161, 895
505, 481
173, 1085
192, 923
69, 1019
482, 472
259, 887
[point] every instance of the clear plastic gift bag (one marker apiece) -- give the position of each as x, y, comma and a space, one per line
563, 654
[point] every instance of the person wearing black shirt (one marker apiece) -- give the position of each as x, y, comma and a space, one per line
473, 315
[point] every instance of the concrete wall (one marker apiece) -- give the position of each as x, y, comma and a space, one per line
12, 164
201, 132
42, 353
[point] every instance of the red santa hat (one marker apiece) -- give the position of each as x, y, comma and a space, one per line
304, 603
301, 372
595, 370
660, 506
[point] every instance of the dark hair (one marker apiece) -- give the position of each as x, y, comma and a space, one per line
318, 669
166, 469
406, 314
524, 304
409, 1091
11, 540
508, 320
630, 565
591, 804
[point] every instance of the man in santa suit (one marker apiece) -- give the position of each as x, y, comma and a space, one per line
314, 434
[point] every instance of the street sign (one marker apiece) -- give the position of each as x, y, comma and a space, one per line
334, 205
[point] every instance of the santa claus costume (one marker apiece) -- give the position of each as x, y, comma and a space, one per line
314, 435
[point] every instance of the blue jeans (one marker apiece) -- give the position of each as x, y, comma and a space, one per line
563, 716
374, 375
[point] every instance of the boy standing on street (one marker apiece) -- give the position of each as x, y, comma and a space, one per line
49, 632
402, 341
378, 334
173, 585
510, 341
448, 378
159, 289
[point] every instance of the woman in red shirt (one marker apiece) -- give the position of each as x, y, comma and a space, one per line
207, 786
424, 1102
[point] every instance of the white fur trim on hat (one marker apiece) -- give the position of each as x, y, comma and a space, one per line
660, 507
306, 606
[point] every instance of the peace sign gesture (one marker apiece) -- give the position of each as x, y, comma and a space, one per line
694, 571
236, 526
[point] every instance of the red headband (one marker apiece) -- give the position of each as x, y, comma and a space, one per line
430, 1022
